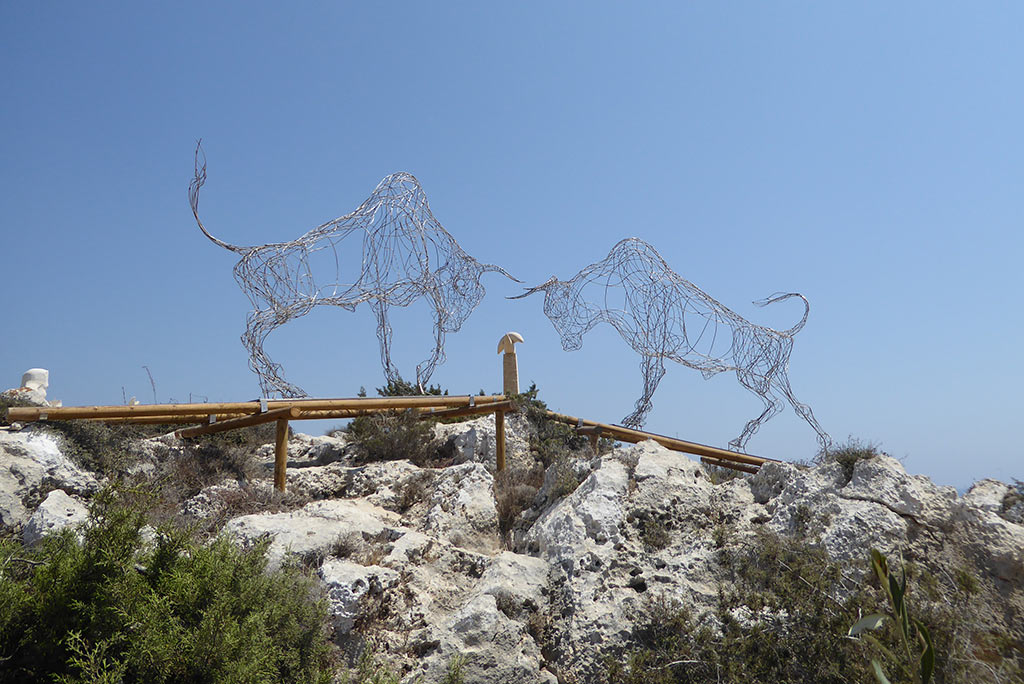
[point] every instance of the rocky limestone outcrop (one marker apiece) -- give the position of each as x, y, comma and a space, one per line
414, 560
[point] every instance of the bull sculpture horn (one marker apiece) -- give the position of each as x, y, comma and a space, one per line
510, 366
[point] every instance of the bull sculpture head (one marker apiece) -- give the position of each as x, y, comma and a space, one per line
562, 307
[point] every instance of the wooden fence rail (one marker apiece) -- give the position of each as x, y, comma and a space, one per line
721, 457
218, 417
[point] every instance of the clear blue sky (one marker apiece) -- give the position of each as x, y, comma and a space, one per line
869, 156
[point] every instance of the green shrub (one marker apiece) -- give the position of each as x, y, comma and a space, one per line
395, 435
552, 440
515, 489
654, 534
1013, 497
111, 608
777, 620
392, 436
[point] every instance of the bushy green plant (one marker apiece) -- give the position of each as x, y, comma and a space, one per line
109, 607
370, 670
456, 673
777, 620
913, 633
391, 436
404, 388
552, 440
515, 489
395, 435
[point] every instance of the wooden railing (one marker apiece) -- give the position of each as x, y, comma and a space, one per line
218, 417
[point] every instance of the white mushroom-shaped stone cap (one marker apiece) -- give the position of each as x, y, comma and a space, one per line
36, 379
507, 342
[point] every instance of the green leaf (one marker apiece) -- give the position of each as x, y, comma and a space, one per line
879, 675
928, 657
881, 647
873, 621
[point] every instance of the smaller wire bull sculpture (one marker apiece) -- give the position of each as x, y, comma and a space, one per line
663, 316
396, 253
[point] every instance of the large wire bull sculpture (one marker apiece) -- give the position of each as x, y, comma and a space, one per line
396, 253
663, 316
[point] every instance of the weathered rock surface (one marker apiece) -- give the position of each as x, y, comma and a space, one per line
474, 440
31, 465
55, 513
415, 557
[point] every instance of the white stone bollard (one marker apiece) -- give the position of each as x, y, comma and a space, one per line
37, 379
510, 365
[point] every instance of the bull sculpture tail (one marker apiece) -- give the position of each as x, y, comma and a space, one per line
778, 297
193, 199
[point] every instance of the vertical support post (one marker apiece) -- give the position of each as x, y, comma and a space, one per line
281, 455
510, 367
499, 440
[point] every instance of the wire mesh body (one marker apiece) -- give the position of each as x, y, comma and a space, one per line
390, 251
663, 316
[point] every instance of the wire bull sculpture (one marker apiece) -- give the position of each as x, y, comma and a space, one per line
663, 316
397, 253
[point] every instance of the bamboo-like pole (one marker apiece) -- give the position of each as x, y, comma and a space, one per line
281, 455
30, 413
499, 440
728, 464
469, 410
165, 420
235, 423
625, 434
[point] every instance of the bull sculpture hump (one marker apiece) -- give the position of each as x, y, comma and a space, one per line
663, 316
390, 251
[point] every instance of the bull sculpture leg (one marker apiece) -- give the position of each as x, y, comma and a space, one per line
803, 410
259, 324
772, 407
653, 369
426, 369
380, 310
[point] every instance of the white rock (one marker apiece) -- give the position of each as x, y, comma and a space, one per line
591, 515
987, 495
306, 449
882, 479
348, 586
523, 578
474, 440
37, 379
31, 462
55, 513
462, 508
995, 540
313, 528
